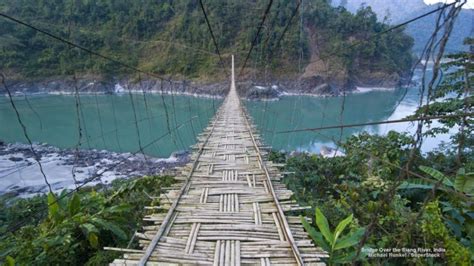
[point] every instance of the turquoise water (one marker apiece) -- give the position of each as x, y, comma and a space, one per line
108, 121
302, 112
293, 113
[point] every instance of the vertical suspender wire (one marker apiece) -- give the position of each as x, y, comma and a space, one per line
194, 139
84, 122
163, 98
137, 128
79, 129
147, 110
165, 108
77, 103
101, 130
191, 124
300, 37
34, 111
199, 120
341, 120
172, 91
277, 46
117, 139
25, 133
99, 116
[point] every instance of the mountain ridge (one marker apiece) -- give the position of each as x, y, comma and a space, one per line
399, 11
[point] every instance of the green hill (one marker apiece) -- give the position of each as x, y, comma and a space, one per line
172, 38
398, 11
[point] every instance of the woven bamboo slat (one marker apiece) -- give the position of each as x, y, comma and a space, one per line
230, 207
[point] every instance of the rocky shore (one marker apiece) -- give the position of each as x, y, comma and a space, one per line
20, 174
89, 85
252, 90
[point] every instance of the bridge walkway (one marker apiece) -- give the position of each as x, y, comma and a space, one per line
229, 207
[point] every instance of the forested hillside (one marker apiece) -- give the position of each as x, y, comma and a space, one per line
399, 11
422, 29
171, 37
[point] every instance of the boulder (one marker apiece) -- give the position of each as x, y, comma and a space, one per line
316, 85
262, 93
378, 79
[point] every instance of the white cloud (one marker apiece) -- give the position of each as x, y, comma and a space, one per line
469, 4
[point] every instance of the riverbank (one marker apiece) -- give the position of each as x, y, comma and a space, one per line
20, 174
251, 90
65, 85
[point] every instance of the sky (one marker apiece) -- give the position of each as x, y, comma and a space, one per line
469, 4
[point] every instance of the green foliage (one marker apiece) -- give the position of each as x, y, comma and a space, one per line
463, 182
10, 261
387, 53
78, 226
68, 233
53, 207
74, 204
356, 185
437, 175
437, 235
454, 96
15, 209
171, 37
334, 243
456, 199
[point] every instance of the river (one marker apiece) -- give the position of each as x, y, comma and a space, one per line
108, 121
159, 125
302, 112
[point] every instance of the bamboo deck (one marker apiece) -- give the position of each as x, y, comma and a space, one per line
229, 207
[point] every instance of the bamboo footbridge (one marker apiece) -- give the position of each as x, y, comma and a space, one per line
229, 207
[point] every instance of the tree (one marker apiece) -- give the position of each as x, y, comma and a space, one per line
454, 97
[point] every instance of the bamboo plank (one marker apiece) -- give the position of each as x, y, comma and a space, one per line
229, 208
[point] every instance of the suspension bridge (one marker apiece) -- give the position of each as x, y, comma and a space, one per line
229, 207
